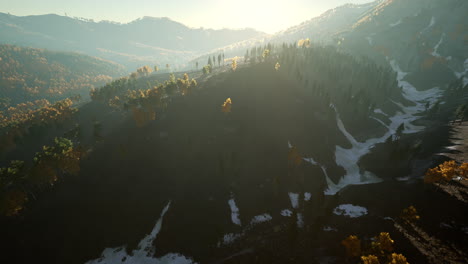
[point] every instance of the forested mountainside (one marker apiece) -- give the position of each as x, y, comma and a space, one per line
329, 150
252, 152
28, 74
420, 33
428, 39
144, 41
322, 29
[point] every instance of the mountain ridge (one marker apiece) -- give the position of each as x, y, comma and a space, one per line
86, 36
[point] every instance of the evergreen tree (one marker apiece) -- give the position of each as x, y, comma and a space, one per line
210, 62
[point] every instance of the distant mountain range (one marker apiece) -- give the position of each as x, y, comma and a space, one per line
144, 41
413, 29
426, 37
322, 29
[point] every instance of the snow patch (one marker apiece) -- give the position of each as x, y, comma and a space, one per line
379, 111
434, 52
329, 229
261, 219
294, 197
444, 225
403, 178
463, 74
286, 212
310, 160
350, 210
144, 253
348, 158
230, 238
381, 122
431, 24
234, 212
396, 23
307, 196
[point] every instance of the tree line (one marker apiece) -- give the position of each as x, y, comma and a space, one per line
19, 182
146, 99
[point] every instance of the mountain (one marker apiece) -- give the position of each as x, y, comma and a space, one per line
422, 34
283, 168
301, 154
324, 27
427, 39
321, 29
28, 74
144, 41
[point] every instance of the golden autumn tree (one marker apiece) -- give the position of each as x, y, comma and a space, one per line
371, 259
304, 43
445, 172
53, 161
277, 66
379, 251
185, 85
352, 245
234, 64
463, 170
433, 175
60, 158
226, 106
382, 244
398, 259
144, 71
410, 214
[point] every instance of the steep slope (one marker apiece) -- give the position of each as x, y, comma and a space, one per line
146, 40
424, 35
28, 74
325, 27
427, 39
234, 175
281, 175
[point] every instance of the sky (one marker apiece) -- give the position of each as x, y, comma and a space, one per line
268, 16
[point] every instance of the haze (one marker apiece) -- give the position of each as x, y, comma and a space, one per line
208, 13
227, 132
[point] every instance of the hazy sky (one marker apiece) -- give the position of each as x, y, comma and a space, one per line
265, 15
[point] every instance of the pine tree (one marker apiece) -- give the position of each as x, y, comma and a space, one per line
210, 62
